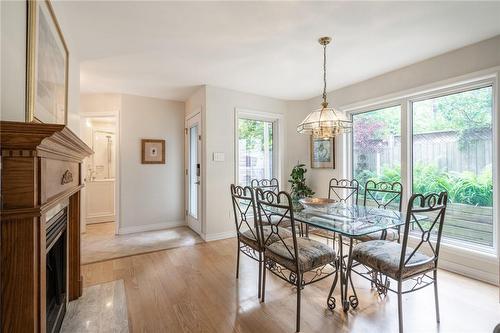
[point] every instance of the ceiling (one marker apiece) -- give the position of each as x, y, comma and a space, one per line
168, 49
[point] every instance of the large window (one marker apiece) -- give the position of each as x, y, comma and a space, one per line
255, 150
452, 151
376, 146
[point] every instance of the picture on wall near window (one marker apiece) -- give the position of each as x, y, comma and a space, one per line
153, 151
47, 66
323, 153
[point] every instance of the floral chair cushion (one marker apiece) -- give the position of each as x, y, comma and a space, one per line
392, 235
311, 254
384, 256
248, 236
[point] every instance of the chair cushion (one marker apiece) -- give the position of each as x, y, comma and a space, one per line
392, 235
248, 237
311, 254
384, 256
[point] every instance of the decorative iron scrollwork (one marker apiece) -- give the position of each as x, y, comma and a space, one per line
331, 302
67, 177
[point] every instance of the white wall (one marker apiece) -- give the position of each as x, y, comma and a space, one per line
219, 136
151, 196
100, 103
13, 60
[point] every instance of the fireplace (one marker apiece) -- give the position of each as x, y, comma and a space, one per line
56, 276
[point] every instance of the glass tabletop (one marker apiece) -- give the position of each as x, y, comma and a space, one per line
351, 220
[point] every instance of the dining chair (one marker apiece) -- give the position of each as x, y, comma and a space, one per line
250, 234
272, 185
341, 190
297, 260
266, 184
401, 262
385, 195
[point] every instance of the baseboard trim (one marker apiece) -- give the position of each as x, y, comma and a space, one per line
467, 271
218, 236
100, 218
150, 227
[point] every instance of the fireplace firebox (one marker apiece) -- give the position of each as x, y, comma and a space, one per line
56, 259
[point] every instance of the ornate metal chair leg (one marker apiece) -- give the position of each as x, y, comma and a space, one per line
400, 306
238, 260
264, 281
436, 297
299, 287
260, 274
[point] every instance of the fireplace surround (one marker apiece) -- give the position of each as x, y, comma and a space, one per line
40, 224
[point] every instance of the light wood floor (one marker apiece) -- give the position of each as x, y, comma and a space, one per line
193, 289
99, 242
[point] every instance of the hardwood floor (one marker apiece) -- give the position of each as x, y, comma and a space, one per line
193, 289
100, 242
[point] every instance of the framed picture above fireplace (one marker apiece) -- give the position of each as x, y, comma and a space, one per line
47, 66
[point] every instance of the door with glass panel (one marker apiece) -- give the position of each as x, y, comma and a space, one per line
452, 144
193, 172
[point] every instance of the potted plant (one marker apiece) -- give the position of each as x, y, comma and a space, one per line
299, 189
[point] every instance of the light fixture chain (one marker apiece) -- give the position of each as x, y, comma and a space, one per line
324, 73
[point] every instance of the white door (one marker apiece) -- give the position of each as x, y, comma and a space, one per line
193, 172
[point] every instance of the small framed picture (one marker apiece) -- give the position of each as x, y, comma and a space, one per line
322, 153
153, 151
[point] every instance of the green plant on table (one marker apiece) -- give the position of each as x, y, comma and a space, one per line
298, 183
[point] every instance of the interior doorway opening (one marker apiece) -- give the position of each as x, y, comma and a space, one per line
100, 174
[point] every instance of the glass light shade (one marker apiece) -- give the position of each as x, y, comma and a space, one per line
325, 123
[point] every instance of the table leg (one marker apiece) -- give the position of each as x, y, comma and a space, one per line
353, 299
345, 273
330, 300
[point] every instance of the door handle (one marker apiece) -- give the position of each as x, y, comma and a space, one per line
197, 183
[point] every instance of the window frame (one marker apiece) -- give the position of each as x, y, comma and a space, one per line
458, 256
278, 139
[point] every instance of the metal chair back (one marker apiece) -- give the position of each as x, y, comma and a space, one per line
343, 190
245, 213
271, 205
384, 194
266, 184
430, 229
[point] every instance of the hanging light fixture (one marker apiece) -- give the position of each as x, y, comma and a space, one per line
325, 122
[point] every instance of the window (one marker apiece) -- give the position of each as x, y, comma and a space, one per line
376, 146
452, 151
255, 150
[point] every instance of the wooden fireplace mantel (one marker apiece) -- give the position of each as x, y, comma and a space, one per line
41, 168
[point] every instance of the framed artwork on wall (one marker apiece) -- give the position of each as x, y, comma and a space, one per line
322, 153
153, 151
47, 66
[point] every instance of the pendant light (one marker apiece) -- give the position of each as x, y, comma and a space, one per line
325, 122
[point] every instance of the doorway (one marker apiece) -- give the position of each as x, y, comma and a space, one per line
193, 172
99, 170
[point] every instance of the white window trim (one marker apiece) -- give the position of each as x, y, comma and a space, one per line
278, 139
473, 261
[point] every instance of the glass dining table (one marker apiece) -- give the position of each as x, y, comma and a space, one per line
347, 221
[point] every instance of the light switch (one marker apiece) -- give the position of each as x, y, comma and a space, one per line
218, 157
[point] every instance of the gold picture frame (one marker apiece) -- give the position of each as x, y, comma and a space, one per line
47, 66
152, 151
322, 153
